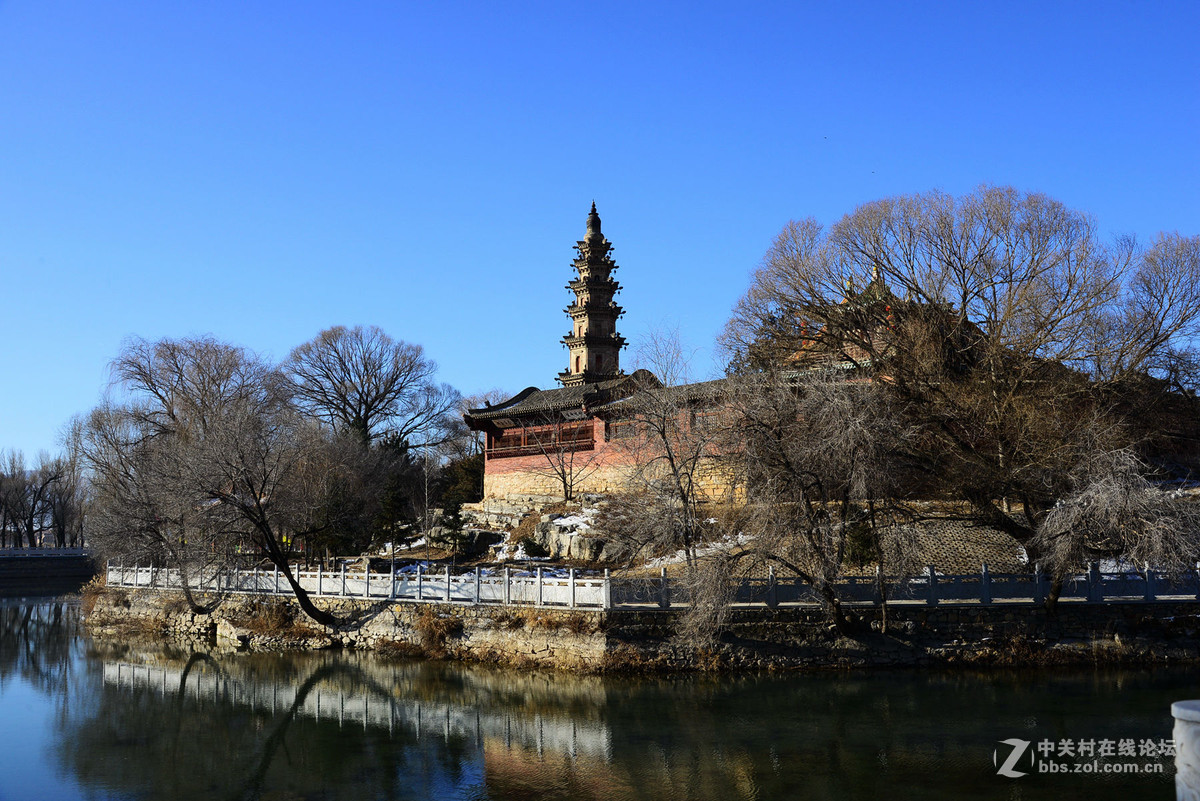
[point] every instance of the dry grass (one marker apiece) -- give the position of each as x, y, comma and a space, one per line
625, 659
504, 619
581, 623
399, 649
435, 630
275, 618
92, 591
175, 605
526, 528
1018, 652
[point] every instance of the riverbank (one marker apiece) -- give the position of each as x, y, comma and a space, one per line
623, 641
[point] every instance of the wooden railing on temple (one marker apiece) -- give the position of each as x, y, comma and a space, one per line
543, 439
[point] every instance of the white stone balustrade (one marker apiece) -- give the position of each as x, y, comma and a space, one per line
1187, 750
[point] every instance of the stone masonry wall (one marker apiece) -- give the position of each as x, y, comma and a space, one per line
566, 639
645, 640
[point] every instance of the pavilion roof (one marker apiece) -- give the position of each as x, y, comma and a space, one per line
542, 402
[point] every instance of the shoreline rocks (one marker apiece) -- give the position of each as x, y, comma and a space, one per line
645, 641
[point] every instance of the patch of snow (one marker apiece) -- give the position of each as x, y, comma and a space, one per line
505, 552
551, 572
724, 544
580, 521
403, 546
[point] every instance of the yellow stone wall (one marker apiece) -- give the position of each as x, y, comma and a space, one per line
535, 481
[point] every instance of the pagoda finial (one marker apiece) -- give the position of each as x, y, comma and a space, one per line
593, 223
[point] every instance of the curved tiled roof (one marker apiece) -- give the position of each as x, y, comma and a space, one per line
614, 395
534, 401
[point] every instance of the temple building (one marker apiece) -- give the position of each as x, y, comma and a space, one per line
539, 436
583, 437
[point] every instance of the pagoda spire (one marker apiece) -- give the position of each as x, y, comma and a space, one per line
593, 343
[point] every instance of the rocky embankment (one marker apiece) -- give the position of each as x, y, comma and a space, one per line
647, 640
571, 536
565, 639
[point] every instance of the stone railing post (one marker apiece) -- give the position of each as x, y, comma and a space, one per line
420, 575
447, 583
478, 583
1187, 749
1039, 584
607, 592
507, 585
320, 577
277, 578
933, 597
772, 588
1151, 594
343, 592
572, 580
664, 590
985, 585
1095, 583
539, 586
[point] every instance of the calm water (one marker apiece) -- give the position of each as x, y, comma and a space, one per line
82, 719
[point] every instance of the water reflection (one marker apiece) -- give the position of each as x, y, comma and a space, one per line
150, 722
37, 641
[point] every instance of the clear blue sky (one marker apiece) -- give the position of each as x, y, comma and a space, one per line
262, 170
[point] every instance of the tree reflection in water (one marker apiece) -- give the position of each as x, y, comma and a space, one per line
37, 642
149, 722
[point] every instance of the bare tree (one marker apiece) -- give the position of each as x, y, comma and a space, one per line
361, 381
270, 474
568, 450
670, 432
1015, 337
67, 506
27, 497
823, 459
208, 455
463, 441
145, 455
144, 509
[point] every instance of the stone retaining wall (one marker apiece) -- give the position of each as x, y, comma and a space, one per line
568, 639
624, 640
